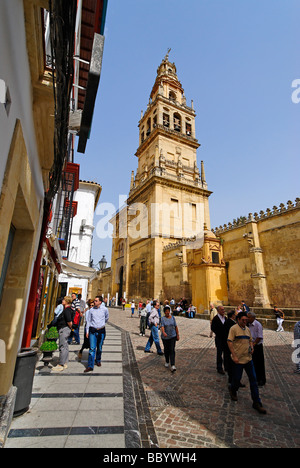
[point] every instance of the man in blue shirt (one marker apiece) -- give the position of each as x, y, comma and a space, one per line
95, 331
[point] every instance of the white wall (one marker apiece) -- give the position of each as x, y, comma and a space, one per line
81, 242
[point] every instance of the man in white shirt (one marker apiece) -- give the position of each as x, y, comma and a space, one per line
95, 331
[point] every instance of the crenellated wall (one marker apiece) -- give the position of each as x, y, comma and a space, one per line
262, 259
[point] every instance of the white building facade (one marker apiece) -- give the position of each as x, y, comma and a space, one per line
76, 268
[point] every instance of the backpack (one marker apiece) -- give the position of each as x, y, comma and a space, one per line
76, 319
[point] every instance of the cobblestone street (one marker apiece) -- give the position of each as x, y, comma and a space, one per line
192, 407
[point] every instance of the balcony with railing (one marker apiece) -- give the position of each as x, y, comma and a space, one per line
65, 206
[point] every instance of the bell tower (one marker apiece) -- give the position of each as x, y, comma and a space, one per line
167, 130
168, 198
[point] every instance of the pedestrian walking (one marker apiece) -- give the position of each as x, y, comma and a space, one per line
86, 341
143, 319
76, 319
258, 357
244, 307
297, 346
64, 326
229, 323
218, 327
169, 335
241, 348
279, 318
153, 324
132, 308
213, 313
95, 331
58, 310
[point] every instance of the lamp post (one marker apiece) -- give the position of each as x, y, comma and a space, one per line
103, 263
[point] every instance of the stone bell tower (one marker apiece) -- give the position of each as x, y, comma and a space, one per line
168, 198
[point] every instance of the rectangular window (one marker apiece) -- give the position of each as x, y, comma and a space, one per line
143, 271
215, 257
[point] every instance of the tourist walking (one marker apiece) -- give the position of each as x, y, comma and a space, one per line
143, 319
132, 308
95, 331
64, 326
279, 318
258, 357
218, 327
229, 323
241, 348
86, 341
169, 336
213, 313
76, 319
153, 324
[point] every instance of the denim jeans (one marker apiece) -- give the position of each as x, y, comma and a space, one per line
97, 338
75, 334
237, 372
154, 337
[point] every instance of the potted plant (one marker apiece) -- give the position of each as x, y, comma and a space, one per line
49, 345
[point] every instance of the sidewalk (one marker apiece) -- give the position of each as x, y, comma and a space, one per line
73, 409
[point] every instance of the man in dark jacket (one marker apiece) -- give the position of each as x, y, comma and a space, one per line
219, 328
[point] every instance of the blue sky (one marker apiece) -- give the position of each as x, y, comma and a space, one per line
236, 59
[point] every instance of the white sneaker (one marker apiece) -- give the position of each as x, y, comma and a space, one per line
58, 368
166, 364
173, 368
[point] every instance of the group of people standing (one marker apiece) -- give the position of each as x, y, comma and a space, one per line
239, 344
68, 317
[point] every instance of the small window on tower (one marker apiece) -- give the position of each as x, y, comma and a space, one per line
172, 96
188, 129
148, 127
177, 122
166, 120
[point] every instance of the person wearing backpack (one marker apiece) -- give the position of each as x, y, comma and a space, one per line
64, 325
169, 336
76, 319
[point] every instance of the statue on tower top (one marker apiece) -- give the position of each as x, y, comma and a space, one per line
167, 54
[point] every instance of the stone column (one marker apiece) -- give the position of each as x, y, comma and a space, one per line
261, 296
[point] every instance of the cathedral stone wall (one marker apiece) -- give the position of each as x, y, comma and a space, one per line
261, 253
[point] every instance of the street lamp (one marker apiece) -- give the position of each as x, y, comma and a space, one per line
103, 263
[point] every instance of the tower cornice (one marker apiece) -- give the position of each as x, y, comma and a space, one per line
183, 185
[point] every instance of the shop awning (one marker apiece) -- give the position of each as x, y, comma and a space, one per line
78, 271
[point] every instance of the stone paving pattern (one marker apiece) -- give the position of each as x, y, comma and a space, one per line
192, 407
